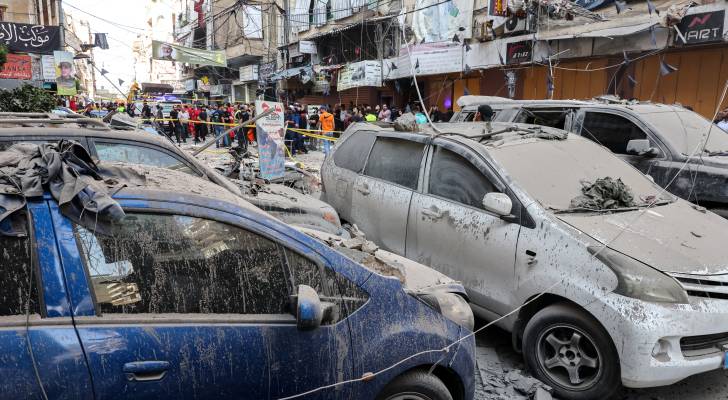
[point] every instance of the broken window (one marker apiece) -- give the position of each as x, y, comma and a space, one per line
455, 178
611, 131
119, 152
179, 264
555, 118
395, 160
352, 153
15, 279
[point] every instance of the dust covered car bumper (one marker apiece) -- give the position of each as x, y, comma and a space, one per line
660, 343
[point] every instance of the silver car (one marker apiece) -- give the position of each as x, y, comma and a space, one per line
595, 297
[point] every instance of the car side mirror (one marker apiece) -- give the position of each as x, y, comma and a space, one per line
311, 312
498, 203
642, 147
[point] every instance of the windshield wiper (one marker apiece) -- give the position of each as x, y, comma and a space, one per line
717, 153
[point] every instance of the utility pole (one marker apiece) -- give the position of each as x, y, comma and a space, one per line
93, 71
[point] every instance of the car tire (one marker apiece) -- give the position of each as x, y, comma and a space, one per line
570, 351
415, 385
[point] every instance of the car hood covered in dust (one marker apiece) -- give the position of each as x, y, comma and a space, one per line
675, 237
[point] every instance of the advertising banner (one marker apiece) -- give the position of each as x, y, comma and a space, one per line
249, 73
363, 73
173, 52
17, 67
702, 28
307, 47
270, 134
519, 52
26, 38
429, 59
49, 68
65, 73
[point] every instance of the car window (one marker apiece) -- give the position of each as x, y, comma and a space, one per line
611, 131
455, 178
121, 152
16, 262
555, 118
352, 153
177, 264
395, 160
328, 284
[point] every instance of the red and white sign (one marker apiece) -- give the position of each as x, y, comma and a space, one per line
17, 67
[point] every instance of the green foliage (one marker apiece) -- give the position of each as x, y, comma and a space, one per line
26, 98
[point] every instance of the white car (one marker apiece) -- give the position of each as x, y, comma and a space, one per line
634, 295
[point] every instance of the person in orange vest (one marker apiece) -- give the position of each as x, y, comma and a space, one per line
326, 124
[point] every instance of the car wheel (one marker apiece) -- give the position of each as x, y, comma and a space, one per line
570, 351
415, 385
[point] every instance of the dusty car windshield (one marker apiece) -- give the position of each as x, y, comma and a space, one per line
686, 130
553, 171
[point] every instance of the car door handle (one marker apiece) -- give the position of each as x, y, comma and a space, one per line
433, 213
144, 371
363, 189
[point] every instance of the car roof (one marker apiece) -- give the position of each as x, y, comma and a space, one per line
175, 186
66, 131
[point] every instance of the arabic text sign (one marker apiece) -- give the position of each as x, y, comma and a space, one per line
173, 52
433, 58
17, 67
702, 27
364, 73
26, 38
270, 133
49, 68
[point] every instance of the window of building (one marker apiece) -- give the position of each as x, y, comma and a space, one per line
455, 178
395, 160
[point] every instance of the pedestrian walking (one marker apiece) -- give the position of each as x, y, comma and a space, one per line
184, 120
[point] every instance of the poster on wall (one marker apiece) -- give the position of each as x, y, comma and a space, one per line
48, 68
65, 73
270, 134
702, 27
27, 38
17, 67
359, 74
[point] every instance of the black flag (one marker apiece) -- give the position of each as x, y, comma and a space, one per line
100, 41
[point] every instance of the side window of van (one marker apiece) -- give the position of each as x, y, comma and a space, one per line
455, 178
352, 153
396, 160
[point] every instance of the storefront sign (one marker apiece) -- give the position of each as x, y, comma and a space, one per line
26, 38
249, 73
269, 131
265, 70
519, 52
17, 67
428, 58
702, 27
190, 85
190, 55
307, 47
202, 86
49, 68
363, 73
65, 73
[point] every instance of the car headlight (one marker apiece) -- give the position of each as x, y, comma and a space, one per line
638, 280
452, 306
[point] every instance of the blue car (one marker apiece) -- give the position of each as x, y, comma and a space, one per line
196, 294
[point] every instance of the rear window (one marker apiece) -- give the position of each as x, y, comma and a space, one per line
352, 154
395, 160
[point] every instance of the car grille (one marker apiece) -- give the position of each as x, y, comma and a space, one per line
692, 346
708, 286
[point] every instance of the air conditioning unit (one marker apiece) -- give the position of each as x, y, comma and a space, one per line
516, 24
